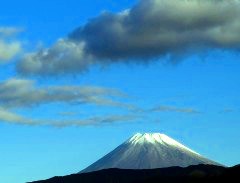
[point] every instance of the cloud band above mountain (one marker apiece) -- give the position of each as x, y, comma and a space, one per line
21, 94
17, 93
10, 117
174, 109
149, 30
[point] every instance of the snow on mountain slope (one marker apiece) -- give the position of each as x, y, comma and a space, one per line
157, 138
148, 151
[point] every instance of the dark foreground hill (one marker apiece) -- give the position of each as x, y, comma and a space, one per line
191, 174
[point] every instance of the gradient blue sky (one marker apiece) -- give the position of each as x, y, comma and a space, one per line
208, 85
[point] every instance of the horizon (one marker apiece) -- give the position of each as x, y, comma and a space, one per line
79, 77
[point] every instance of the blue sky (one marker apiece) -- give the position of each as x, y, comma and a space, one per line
59, 123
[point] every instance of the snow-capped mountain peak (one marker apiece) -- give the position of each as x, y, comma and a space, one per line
156, 138
148, 151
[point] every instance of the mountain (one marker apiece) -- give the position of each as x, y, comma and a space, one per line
149, 151
194, 173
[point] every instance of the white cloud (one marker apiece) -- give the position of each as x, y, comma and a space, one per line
59, 59
149, 30
9, 50
9, 46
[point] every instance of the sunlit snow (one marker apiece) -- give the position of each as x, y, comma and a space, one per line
157, 138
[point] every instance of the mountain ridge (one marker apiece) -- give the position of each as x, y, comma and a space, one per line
149, 151
194, 173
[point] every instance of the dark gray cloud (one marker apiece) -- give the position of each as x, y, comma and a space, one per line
17, 93
175, 109
149, 30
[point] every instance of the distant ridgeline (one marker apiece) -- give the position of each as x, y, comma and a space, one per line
191, 174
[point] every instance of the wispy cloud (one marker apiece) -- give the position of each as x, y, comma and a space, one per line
149, 30
96, 121
9, 46
68, 113
16, 93
10, 31
175, 109
22, 93
9, 117
226, 110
